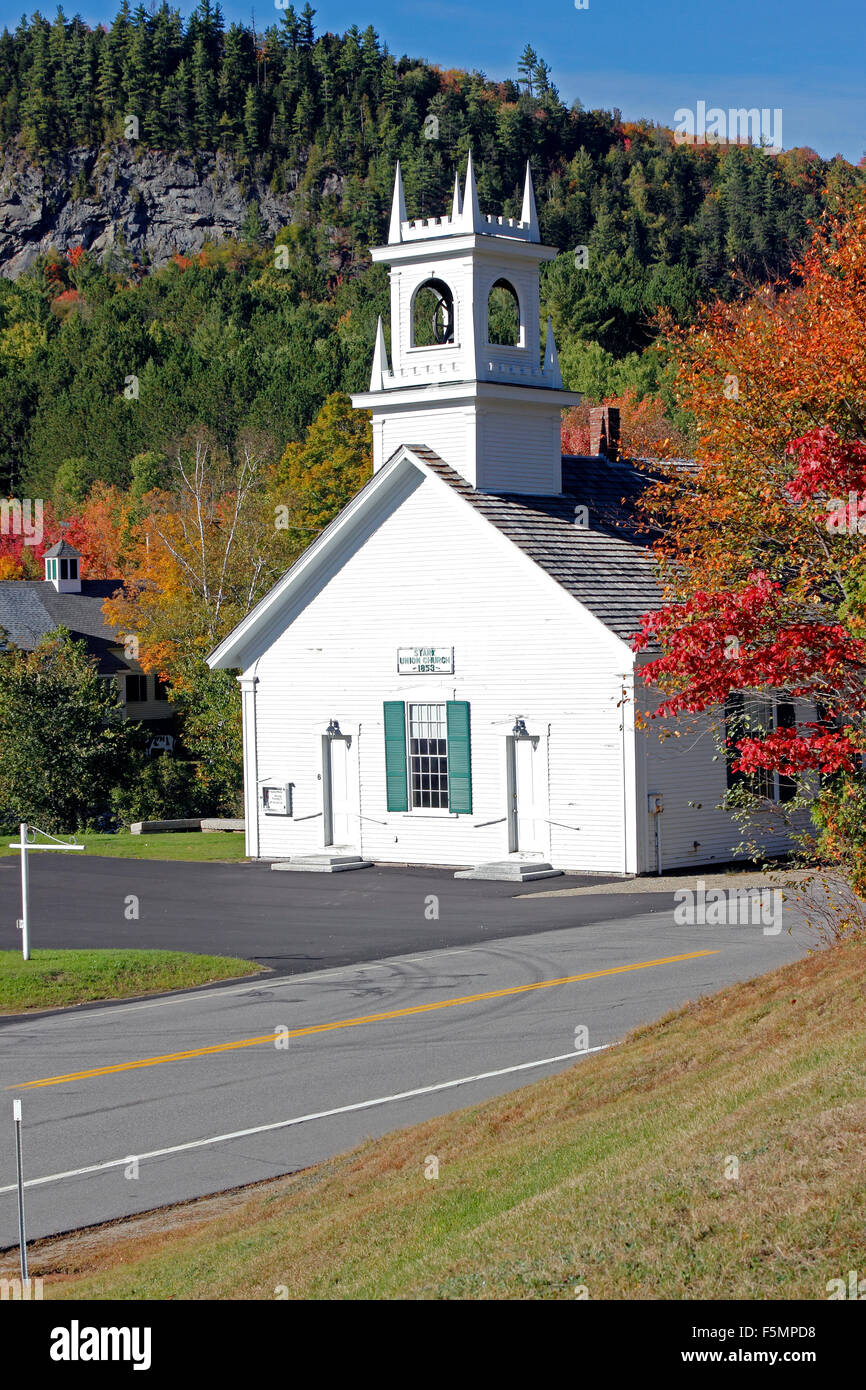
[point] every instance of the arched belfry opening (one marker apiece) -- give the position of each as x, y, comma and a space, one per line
432, 314
503, 315
468, 373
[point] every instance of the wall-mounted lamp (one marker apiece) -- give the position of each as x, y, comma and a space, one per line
520, 730
333, 730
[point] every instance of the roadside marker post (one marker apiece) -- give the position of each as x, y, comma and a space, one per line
25, 845
22, 1238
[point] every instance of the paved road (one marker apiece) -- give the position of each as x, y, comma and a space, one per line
290, 922
102, 1119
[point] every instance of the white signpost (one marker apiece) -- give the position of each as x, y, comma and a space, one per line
22, 1238
25, 845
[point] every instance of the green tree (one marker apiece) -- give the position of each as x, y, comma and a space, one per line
527, 66
315, 479
209, 709
63, 740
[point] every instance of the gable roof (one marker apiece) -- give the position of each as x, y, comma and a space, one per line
604, 564
30, 608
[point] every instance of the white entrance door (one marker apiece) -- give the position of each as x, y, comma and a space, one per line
526, 789
339, 821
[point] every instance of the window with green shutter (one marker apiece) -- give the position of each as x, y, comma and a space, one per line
459, 757
396, 780
431, 769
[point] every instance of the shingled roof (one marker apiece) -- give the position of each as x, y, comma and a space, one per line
604, 564
62, 549
30, 608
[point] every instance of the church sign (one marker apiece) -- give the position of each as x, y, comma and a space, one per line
425, 661
277, 800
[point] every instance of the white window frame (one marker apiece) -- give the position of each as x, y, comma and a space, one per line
422, 702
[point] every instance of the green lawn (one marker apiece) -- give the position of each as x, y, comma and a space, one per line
53, 979
189, 844
716, 1154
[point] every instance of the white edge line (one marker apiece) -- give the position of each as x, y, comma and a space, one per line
304, 1119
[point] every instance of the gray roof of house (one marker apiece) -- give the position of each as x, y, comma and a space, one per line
29, 608
63, 549
606, 563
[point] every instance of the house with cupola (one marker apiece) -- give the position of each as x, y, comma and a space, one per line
445, 676
31, 608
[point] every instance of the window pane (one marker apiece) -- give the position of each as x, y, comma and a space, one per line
428, 756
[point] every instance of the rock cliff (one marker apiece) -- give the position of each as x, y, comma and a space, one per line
144, 203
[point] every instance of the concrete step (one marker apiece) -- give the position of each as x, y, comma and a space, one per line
512, 871
322, 863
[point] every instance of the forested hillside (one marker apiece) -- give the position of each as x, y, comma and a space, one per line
187, 296
223, 338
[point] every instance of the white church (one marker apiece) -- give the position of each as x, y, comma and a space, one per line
445, 676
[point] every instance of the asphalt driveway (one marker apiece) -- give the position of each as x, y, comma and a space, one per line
290, 922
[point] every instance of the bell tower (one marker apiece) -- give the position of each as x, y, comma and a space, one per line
468, 376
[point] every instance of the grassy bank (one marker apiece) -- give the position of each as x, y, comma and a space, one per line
53, 979
616, 1177
191, 845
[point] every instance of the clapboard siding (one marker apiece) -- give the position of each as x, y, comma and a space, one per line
519, 449
694, 828
435, 572
451, 429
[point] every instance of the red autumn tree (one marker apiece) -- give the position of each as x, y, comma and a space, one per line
762, 553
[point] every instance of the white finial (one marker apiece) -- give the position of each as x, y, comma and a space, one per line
398, 209
472, 219
380, 359
457, 200
529, 214
551, 358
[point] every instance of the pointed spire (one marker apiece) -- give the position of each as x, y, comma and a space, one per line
472, 219
551, 358
398, 209
380, 359
529, 214
457, 200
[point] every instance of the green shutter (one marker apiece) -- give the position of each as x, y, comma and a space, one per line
459, 760
396, 783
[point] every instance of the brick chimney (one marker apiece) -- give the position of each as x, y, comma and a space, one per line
604, 431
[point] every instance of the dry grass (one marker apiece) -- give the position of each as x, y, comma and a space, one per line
610, 1176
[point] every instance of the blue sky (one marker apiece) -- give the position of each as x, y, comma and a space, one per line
648, 57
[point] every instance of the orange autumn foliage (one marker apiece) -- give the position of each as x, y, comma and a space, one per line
756, 375
645, 430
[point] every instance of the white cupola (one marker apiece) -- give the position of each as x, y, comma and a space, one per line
468, 377
63, 568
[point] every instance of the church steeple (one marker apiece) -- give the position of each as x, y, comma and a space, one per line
469, 376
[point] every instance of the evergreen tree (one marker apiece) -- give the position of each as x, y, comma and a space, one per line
527, 66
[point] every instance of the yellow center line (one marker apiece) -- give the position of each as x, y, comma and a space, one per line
349, 1022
